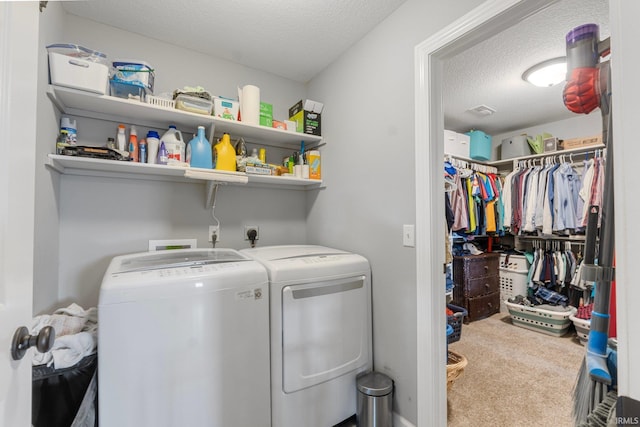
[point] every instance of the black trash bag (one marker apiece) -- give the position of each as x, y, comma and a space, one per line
58, 393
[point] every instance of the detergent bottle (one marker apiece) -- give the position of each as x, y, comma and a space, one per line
225, 154
174, 144
153, 145
200, 149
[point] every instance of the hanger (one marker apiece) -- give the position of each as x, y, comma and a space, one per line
449, 185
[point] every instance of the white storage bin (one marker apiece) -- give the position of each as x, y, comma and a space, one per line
456, 144
78, 67
514, 262
513, 283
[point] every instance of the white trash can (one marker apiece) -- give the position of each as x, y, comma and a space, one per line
375, 400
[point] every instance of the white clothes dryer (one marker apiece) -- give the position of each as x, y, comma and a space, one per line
184, 340
320, 301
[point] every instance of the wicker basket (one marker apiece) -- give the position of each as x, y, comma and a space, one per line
455, 367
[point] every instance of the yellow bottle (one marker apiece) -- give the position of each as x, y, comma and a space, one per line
225, 154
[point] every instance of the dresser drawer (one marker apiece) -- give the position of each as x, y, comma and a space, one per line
473, 266
484, 306
481, 286
474, 288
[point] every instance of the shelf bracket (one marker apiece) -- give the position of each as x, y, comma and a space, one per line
212, 192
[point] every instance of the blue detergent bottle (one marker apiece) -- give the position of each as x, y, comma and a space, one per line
201, 155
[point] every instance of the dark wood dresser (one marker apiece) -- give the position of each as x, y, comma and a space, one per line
477, 284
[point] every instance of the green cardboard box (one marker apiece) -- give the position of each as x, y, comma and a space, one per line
307, 115
266, 114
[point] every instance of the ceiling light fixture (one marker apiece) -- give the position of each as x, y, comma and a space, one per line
547, 73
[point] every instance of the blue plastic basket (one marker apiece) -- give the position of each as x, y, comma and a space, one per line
480, 145
455, 321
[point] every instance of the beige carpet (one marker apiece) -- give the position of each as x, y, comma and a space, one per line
514, 377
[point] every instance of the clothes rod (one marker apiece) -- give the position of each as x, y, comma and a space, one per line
469, 164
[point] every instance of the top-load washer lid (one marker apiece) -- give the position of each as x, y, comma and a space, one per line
175, 258
180, 272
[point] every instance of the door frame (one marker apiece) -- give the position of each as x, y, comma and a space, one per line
490, 18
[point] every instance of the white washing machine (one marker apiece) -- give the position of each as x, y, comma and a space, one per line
320, 302
184, 340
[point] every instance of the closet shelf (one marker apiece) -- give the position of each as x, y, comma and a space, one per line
512, 161
70, 165
105, 107
578, 150
576, 238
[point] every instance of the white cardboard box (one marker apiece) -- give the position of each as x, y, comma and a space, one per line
456, 144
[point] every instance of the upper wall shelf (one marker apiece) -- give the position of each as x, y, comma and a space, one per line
104, 107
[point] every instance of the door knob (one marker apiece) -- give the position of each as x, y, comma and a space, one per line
22, 341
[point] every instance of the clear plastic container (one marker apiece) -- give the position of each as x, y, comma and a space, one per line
194, 104
134, 73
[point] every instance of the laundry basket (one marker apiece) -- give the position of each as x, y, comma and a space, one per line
455, 321
62, 396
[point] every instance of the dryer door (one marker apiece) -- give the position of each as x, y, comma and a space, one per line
325, 331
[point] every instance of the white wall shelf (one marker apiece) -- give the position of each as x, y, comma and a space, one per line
103, 107
71, 165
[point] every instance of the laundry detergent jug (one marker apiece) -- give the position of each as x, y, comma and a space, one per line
200, 149
225, 154
174, 144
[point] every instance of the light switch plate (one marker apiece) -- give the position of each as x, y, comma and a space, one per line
409, 235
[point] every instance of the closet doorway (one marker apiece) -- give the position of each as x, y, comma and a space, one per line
490, 19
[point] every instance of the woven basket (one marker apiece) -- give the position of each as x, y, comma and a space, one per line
455, 367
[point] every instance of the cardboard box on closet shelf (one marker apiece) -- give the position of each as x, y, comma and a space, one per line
307, 115
581, 142
550, 144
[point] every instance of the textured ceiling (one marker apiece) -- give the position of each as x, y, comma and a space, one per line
490, 72
297, 39
289, 38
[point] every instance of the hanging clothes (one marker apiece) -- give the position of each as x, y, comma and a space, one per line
546, 199
476, 202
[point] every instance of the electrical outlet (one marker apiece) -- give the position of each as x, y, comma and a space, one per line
248, 228
214, 229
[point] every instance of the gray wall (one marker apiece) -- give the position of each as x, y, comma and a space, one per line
368, 167
82, 222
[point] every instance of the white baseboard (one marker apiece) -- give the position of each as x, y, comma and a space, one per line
399, 421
